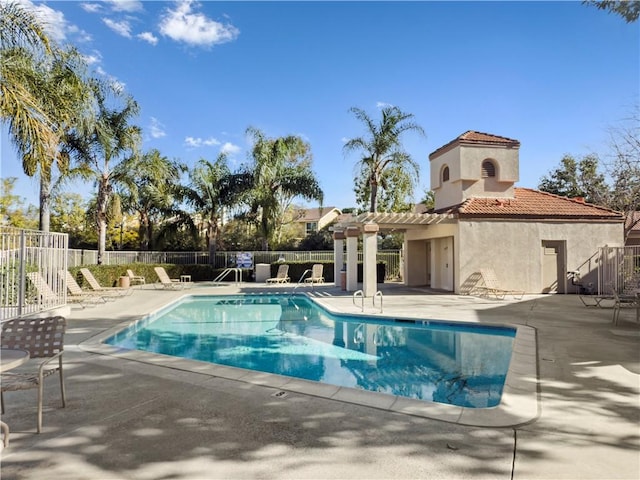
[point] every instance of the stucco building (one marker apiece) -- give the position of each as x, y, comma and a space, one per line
531, 239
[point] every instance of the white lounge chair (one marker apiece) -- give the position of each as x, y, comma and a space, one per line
76, 290
282, 276
316, 274
133, 278
492, 287
164, 281
96, 287
47, 295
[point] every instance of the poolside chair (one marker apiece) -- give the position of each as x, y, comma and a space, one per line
282, 276
43, 338
316, 274
624, 301
133, 278
76, 291
164, 281
492, 287
47, 295
96, 287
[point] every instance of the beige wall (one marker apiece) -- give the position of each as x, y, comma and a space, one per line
513, 249
465, 180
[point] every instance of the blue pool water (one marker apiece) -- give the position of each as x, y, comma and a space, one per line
453, 363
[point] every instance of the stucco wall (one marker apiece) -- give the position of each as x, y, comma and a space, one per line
514, 249
465, 163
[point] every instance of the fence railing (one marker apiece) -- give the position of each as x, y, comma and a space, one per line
619, 268
24, 252
224, 259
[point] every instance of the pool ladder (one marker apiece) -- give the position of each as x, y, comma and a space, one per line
237, 275
360, 294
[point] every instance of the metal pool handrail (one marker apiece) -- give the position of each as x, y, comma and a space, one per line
226, 271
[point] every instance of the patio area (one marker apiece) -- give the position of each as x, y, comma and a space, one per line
128, 419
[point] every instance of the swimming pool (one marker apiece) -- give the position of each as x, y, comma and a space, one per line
450, 363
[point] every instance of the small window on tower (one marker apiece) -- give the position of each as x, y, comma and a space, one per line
445, 174
488, 169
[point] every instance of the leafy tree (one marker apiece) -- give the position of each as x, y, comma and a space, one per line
13, 212
68, 215
429, 199
384, 162
577, 178
152, 193
396, 188
280, 172
627, 9
105, 142
56, 84
209, 193
624, 167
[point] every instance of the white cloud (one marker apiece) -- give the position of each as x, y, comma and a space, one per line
183, 25
157, 128
383, 105
91, 7
125, 5
229, 148
93, 58
121, 28
196, 142
148, 37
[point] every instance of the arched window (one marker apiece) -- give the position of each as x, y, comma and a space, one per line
445, 174
488, 169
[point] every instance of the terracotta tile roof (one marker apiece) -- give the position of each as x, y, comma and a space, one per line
472, 137
634, 220
529, 203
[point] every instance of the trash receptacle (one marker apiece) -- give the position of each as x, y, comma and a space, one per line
124, 282
263, 271
343, 279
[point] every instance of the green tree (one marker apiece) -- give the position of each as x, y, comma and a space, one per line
209, 194
577, 178
627, 9
384, 162
152, 193
395, 193
13, 212
68, 215
106, 144
280, 172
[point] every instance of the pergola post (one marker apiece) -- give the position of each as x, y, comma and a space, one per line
338, 255
369, 257
352, 234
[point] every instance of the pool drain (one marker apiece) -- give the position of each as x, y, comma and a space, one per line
279, 394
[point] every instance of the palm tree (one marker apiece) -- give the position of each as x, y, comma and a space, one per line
106, 144
382, 149
19, 27
281, 171
152, 191
209, 193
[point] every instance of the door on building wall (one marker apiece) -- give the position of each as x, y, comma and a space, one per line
553, 261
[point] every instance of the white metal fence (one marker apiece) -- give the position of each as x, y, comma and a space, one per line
223, 259
25, 253
618, 268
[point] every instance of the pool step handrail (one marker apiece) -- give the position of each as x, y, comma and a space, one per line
302, 278
377, 294
237, 275
356, 294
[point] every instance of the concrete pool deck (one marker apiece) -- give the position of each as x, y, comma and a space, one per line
128, 419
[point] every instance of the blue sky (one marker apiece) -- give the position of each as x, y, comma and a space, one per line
553, 75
